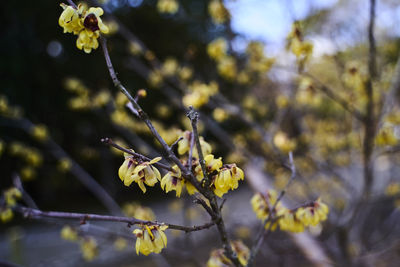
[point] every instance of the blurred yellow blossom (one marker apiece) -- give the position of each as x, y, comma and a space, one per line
64, 164
392, 189
220, 115
170, 67
135, 48
217, 49
6, 214
89, 248
69, 233
167, 6
219, 14
39, 132
120, 244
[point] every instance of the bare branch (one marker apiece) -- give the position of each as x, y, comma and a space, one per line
25, 196
83, 217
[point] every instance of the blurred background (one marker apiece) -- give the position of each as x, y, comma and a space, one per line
267, 76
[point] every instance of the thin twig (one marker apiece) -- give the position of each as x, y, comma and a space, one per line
71, 3
25, 196
175, 144
190, 159
83, 217
194, 116
110, 142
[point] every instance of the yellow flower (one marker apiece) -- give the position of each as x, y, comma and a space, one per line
212, 165
313, 214
3, 104
2, 146
262, 203
140, 172
39, 132
120, 244
92, 20
227, 68
87, 40
200, 94
184, 145
64, 164
167, 6
89, 249
135, 48
86, 24
217, 48
242, 251
69, 233
227, 178
283, 143
150, 239
218, 258
11, 196
185, 73
386, 136
218, 12
392, 189
220, 114
6, 215
139, 212
101, 98
173, 181
28, 173
155, 78
33, 157
170, 67
70, 19
290, 222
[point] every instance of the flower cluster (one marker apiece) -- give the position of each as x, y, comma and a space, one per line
87, 24
139, 171
150, 239
226, 65
139, 212
218, 258
199, 93
291, 220
88, 244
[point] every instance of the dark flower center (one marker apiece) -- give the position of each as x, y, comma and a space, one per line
91, 22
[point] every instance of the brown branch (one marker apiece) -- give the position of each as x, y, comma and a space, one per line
194, 116
369, 122
83, 217
190, 159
